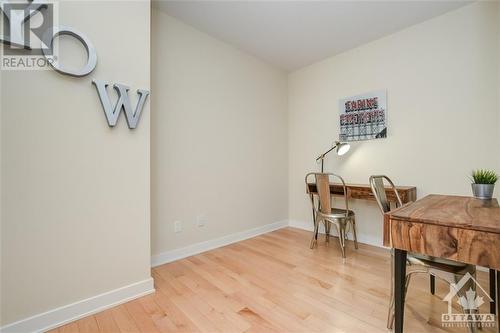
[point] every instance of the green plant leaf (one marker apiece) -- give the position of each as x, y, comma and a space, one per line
483, 176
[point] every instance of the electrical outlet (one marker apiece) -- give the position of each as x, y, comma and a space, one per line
201, 220
177, 226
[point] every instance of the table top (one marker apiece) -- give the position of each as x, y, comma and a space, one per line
364, 191
352, 185
452, 211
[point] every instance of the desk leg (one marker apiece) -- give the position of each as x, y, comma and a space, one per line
399, 289
498, 301
493, 291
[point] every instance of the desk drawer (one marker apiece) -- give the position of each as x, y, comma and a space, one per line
427, 239
363, 194
468, 246
367, 194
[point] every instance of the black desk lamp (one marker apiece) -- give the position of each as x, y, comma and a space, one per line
342, 148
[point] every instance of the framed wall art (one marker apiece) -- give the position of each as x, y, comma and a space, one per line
363, 117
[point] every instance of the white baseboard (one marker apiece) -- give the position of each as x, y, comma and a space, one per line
307, 225
197, 248
65, 314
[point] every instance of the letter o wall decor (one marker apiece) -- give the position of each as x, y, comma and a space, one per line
48, 39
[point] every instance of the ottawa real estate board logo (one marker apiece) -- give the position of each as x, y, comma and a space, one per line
26, 26
467, 293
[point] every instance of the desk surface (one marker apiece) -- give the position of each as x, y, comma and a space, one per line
353, 185
463, 229
364, 191
453, 211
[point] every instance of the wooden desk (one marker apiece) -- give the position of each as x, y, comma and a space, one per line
364, 192
360, 191
463, 229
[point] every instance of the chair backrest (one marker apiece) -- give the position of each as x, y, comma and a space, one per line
378, 188
323, 188
322, 182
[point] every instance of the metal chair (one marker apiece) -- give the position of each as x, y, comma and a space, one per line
447, 270
342, 219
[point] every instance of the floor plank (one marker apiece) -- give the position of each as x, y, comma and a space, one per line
106, 322
124, 320
69, 328
88, 325
275, 283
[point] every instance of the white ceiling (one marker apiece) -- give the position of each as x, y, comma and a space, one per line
293, 34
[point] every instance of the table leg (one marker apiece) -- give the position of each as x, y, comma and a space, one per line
498, 301
399, 289
493, 291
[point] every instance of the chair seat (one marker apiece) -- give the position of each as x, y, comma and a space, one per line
338, 213
439, 263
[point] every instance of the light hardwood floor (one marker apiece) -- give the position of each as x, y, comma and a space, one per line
274, 283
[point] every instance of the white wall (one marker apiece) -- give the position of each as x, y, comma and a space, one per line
498, 94
1, 195
442, 88
75, 193
219, 137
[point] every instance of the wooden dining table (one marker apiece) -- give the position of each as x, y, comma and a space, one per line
458, 228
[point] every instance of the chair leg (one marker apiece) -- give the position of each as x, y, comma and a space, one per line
472, 285
342, 239
390, 315
407, 282
472, 327
314, 239
327, 231
432, 284
353, 224
476, 311
462, 293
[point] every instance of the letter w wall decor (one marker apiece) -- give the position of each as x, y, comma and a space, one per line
123, 103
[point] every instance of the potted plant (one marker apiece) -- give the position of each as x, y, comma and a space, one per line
483, 183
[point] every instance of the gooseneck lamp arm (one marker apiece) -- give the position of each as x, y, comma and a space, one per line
339, 145
322, 156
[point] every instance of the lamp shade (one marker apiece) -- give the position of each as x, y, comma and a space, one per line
342, 148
